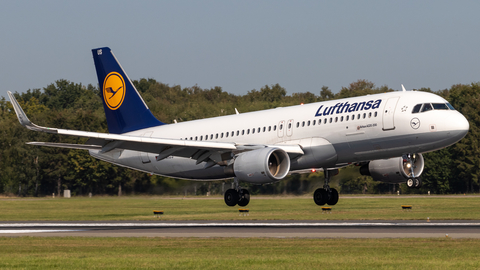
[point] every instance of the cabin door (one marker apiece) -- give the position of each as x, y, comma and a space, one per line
388, 113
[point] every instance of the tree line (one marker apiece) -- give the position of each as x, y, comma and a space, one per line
27, 170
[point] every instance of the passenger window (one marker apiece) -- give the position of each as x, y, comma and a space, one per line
308, 123
289, 125
281, 126
211, 136
364, 115
269, 128
264, 129
375, 114
346, 118
274, 127
243, 131
353, 117
341, 118
258, 130
370, 115
325, 120
226, 134
427, 107
191, 139
331, 119
221, 135
336, 119
233, 133
298, 124
248, 131
253, 131
417, 108
216, 136
238, 132
201, 138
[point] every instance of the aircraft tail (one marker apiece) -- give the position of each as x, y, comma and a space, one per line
124, 107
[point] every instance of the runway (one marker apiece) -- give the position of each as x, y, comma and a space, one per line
275, 229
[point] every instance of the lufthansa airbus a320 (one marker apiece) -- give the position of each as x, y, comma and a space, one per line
385, 134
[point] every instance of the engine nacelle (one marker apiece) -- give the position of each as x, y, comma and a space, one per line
262, 166
395, 170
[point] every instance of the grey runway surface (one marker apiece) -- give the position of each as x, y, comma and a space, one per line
276, 229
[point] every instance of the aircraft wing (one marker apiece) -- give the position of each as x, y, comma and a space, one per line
105, 142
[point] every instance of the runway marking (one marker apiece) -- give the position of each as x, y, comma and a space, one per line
36, 231
248, 224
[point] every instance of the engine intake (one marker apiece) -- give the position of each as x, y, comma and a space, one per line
395, 170
262, 166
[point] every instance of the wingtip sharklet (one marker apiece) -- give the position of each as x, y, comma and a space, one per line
23, 119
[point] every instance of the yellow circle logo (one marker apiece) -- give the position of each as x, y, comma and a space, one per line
113, 90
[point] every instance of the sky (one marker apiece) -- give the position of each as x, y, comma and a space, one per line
243, 45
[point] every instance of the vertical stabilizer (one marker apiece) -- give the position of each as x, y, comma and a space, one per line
124, 108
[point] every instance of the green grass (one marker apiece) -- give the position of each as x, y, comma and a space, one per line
262, 208
234, 253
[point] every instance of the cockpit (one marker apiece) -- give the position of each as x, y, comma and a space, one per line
425, 107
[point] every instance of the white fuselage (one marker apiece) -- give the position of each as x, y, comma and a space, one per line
331, 133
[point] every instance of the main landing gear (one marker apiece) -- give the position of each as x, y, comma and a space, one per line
326, 195
236, 196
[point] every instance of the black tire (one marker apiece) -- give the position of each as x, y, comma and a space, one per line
320, 196
418, 182
410, 183
244, 198
333, 197
231, 197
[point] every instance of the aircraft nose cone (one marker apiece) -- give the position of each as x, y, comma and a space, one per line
458, 125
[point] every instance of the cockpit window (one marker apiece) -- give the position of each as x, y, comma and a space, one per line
417, 108
427, 107
440, 106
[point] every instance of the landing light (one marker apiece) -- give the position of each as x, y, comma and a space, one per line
313, 170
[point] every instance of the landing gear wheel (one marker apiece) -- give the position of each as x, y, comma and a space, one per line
333, 197
244, 198
417, 182
320, 196
410, 183
231, 197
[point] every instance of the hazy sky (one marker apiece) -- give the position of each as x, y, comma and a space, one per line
244, 45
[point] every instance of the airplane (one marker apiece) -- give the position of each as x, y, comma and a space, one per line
385, 134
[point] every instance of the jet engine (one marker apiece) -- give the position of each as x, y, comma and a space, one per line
395, 170
262, 166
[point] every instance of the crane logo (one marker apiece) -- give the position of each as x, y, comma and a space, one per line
415, 123
114, 90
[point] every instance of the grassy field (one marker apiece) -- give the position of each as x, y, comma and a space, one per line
261, 208
233, 253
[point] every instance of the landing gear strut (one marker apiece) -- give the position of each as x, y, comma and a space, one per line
237, 195
326, 195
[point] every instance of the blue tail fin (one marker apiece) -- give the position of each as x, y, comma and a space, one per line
124, 108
